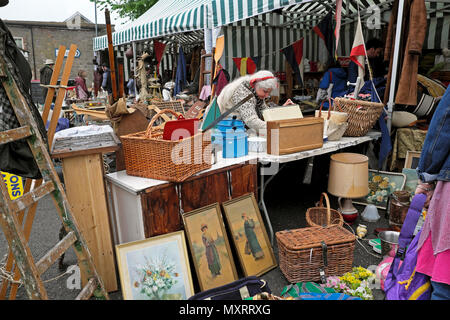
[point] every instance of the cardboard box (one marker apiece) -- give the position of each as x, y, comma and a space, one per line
294, 135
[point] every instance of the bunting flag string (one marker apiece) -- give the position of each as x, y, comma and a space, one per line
326, 34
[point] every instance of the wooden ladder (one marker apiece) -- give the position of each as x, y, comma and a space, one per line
204, 72
11, 211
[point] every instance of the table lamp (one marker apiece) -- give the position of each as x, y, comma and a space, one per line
348, 179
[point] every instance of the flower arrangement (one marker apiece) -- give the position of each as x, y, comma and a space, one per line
156, 277
354, 283
379, 188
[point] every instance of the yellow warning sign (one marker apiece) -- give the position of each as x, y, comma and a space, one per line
14, 185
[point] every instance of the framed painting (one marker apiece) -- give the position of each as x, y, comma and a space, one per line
209, 246
412, 180
156, 268
381, 186
249, 235
412, 159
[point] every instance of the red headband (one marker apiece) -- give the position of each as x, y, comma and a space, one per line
252, 82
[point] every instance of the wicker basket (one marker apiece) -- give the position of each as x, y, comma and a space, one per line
147, 155
300, 252
362, 115
321, 216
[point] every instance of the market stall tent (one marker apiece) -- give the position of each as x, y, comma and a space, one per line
260, 28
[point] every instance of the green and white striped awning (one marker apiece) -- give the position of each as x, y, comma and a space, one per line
225, 12
166, 17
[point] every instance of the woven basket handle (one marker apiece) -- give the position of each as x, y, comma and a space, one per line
336, 105
328, 206
329, 108
148, 132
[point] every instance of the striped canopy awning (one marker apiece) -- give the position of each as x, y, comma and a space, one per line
166, 17
176, 17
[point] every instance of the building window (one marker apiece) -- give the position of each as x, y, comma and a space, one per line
20, 44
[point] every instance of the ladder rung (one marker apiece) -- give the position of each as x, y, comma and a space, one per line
50, 257
88, 290
206, 72
206, 55
15, 134
33, 196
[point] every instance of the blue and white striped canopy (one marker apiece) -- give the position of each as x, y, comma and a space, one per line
166, 17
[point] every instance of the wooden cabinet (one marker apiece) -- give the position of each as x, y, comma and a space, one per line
142, 208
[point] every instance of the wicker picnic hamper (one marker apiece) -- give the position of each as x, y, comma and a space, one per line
300, 252
321, 216
147, 155
362, 115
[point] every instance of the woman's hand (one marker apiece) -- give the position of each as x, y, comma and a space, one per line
288, 102
427, 189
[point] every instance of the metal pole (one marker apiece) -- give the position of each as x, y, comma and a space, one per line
96, 30
398, 33
134, 67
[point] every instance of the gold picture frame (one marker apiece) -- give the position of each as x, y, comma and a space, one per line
209, 246
249, 235
412, 159
156, 268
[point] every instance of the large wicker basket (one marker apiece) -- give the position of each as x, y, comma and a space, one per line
147, 155
300, 252
362, 115
321, 216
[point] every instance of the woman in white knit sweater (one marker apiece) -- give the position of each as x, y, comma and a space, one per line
260, 84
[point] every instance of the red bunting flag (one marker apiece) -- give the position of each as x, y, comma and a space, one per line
246, 65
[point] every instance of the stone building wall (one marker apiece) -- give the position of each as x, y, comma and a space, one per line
42, 39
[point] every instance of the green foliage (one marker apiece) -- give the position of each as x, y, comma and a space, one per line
131, 9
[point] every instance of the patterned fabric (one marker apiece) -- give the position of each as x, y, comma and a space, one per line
251, 111
406, 139
8, 118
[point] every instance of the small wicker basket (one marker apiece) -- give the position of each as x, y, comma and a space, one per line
362, 115
321, 216
147, 155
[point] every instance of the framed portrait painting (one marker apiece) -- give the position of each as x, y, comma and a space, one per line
209, 246
249, 235
156, 268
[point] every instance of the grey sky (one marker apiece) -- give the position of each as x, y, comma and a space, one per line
53, 10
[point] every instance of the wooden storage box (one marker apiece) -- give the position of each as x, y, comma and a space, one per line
301, 253
294, 135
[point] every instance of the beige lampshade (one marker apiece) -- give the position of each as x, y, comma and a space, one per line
349, 175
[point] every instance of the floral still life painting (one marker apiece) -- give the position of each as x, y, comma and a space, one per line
155, 269
381, 185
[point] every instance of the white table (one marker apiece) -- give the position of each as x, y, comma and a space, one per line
275, 162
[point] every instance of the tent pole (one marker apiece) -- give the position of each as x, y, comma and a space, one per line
134, 67
392, 92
